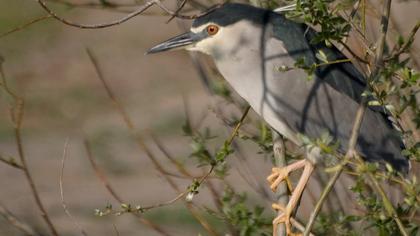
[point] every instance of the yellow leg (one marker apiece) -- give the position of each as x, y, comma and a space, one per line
278, 175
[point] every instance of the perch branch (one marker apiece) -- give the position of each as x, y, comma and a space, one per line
282, 191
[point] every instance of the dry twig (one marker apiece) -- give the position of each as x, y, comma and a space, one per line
23, 227
102, 177
25, 25
17, 118
63, 203
129, 16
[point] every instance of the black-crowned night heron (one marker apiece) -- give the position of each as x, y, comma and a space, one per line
250, 46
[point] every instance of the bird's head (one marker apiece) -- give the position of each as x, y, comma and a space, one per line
219, 31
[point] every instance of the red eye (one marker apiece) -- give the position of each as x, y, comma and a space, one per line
212, 29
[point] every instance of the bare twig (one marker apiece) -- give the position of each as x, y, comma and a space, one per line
184, 171
21, 27
129, 16
150, 155
405, 47
99, 173
17, 118
23, 227
181, 5
63, 203
105, 182
28, 175
11, 162
106, 4
117, 233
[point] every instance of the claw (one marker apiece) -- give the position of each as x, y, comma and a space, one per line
280, 174
277, 176
283, 218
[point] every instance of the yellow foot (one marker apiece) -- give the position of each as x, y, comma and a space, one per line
280, 174
283, 218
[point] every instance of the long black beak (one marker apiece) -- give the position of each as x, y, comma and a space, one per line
178, 42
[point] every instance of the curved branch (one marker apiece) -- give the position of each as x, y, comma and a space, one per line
129, 16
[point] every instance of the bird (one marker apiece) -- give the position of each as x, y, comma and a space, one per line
250, 46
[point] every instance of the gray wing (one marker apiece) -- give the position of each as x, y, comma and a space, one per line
330, 102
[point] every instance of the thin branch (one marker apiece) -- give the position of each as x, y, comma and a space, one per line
106, 4
406, 46
63, 203
177, 10
23, 227
129, 16
11, 162
184, 171
99, 173
105, 182
98, 26
17, 118
149, 154
25, 25
350, 153
238, 126
28, 175
117, 233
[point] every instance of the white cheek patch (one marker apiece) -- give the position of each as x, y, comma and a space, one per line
206, 45
226, 40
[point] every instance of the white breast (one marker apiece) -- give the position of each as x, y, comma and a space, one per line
244, 73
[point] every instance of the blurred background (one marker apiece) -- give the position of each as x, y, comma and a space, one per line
47, 64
